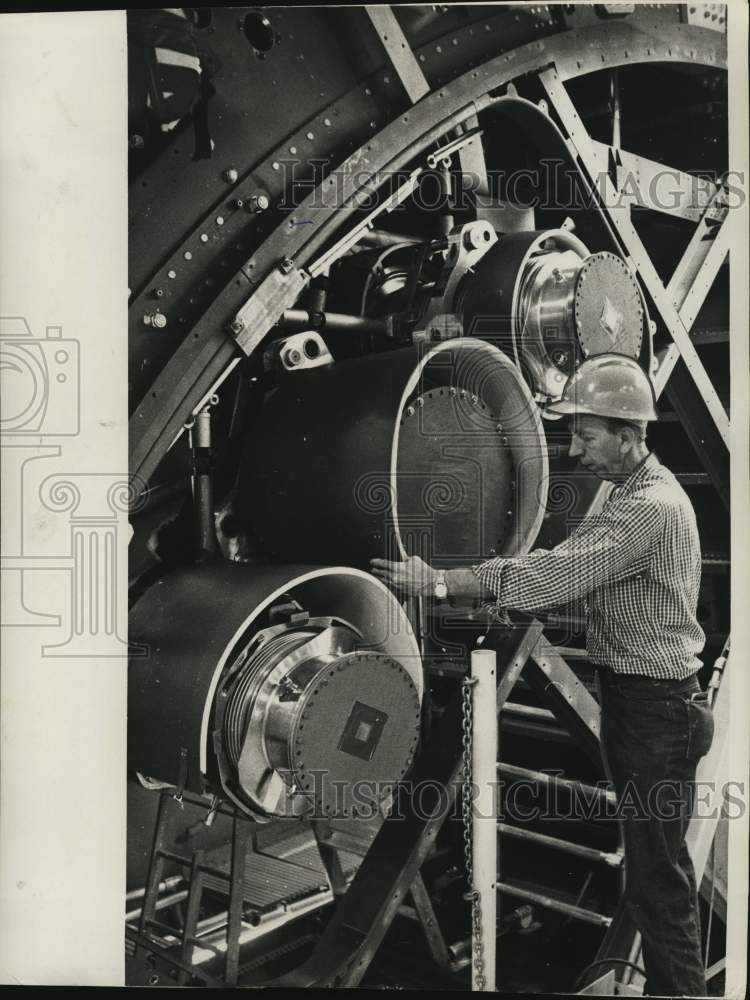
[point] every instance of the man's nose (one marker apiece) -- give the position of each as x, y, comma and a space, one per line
575, 447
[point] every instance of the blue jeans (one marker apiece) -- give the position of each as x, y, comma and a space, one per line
653, 735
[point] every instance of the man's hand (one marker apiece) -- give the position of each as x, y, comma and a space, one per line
412, 577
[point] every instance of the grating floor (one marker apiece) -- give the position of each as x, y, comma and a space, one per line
271, 882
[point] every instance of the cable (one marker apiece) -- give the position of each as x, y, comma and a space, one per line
607, 961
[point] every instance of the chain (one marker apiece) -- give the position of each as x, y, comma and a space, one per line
472, 895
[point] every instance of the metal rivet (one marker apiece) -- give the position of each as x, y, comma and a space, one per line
311, 136
204, 238
187, 255
171, 274
219, 220
231, 175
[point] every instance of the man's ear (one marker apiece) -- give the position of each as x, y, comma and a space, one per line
627, 439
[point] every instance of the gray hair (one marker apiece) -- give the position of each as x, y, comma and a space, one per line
639, 426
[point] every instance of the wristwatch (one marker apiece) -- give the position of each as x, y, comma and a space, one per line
441, 587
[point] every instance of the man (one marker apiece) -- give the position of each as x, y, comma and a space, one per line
637, 565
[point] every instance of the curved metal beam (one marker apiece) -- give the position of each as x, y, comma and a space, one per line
199, 360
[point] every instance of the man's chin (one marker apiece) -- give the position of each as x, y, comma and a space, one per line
594, 472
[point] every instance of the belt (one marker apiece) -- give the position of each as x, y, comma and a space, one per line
642, 682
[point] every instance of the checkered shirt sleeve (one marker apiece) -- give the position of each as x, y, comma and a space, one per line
606, 547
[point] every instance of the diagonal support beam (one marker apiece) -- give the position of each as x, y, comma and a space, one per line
555, 683
692, 281
625, 235
399, 52
656, 186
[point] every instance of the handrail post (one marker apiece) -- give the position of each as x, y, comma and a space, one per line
484, 820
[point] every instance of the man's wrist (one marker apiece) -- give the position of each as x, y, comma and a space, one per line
464, 584
440, 586
428, 587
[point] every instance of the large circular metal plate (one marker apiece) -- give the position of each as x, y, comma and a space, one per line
475, 373
607, 307
455, 477
357, 733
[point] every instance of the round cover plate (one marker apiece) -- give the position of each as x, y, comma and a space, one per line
356, 735
456, 478
607, 307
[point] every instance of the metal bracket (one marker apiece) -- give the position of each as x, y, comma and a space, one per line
322, 264
276, 293
299, 352
466, 247
445, 152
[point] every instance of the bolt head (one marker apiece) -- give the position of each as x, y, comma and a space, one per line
231, 175
159, 320
286, 265
238, 325
259, 202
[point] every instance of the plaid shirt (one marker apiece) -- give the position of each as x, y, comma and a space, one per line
636, 564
